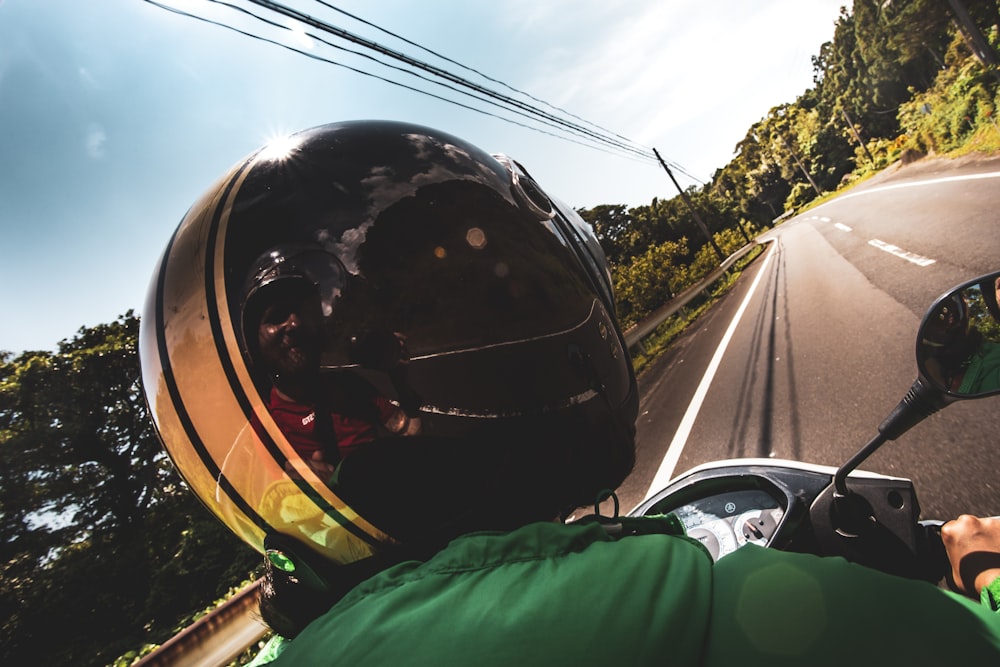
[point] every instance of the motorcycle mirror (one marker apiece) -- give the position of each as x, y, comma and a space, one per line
958, 357
958, 343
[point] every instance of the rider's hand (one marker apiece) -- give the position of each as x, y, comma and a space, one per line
317, 464
973, 547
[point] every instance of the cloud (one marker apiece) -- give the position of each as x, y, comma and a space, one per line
87, 78
95, 141
663, 74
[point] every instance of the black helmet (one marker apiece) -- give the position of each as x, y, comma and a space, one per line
291, 277
448, 283
948, 324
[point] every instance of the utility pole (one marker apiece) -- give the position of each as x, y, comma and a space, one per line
690, 205
974, 36
802, 167
857, 137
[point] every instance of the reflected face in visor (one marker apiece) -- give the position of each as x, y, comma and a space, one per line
289, 335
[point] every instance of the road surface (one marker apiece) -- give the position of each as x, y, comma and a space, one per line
824, 347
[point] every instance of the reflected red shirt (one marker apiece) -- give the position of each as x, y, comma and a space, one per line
299, 424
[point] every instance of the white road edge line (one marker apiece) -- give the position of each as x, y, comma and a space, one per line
914, 184
666, 469
919, 260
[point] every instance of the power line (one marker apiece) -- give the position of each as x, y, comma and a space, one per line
338, 64
600, 139
436, 71
356, 70
467, 68
418, 75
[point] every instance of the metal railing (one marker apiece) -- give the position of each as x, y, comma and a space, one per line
635, 333
215, 639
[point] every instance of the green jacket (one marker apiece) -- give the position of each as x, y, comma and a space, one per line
552, 594
983, 371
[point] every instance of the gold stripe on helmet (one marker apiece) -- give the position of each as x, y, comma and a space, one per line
328, 502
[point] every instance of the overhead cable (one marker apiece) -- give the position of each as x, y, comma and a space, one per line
599, 138
366, 56
437, 71
468, 69
326, 60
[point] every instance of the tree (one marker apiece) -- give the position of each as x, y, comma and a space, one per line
613, 226
649, 280
102, 547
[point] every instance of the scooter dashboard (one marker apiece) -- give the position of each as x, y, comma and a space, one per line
727, 521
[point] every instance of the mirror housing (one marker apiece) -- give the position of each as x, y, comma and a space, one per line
958, 342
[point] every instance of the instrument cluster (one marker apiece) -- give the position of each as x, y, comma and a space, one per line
725, 522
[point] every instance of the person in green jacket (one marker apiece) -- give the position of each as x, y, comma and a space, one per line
982, 369
450, 547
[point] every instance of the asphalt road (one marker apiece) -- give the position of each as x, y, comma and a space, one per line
824, 347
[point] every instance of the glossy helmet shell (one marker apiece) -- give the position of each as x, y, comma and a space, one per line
501, 294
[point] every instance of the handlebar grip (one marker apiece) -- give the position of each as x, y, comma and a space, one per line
932, 554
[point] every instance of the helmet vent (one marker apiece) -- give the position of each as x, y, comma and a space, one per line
532, 198
529, 195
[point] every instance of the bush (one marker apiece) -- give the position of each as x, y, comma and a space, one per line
957, 112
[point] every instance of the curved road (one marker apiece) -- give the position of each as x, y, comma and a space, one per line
824, 347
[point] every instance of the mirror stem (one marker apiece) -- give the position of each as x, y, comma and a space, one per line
840, 478
920, 402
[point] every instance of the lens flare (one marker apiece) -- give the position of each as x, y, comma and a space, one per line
279, 148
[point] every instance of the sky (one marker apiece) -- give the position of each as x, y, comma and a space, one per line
116, 115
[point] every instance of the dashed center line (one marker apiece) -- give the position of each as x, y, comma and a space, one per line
919, 260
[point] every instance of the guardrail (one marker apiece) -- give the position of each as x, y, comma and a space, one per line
215, 639
635, 333
219, 637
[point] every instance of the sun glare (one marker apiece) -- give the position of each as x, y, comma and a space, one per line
278, 148
300, 36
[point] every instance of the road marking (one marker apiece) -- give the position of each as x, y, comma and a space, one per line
919, 260
666, 469
914, 184
841, 227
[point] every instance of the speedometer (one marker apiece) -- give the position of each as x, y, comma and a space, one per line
716, 535
756, 526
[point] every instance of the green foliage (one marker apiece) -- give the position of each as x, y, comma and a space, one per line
728, 240
897, 80
658, 341
102, 547
961, 103
801, 194
646, 281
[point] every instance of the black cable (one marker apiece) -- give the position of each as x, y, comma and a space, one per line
521, 108
470, 69
412, 73
678, 167
346, 35
180, 12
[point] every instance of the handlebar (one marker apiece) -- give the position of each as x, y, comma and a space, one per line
932, 553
